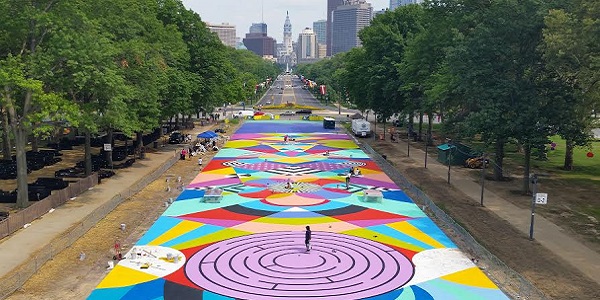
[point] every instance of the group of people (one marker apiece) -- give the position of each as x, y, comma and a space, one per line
287, 138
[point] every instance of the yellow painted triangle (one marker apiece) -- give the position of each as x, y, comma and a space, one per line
241, 143
378, 237
471, 277
222, 171
296, 221
416, 233
218, 236
123, 276
342, 144
183, 227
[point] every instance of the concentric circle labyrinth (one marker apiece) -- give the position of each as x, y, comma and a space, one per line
276, 265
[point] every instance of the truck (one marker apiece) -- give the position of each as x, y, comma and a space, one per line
361, 127
243, 114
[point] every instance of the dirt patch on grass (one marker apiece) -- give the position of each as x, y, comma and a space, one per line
548, 272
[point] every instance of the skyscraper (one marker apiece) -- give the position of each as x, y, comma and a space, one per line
331, 6
258, 28
347, 21
320, 29
396, 3
225, 32
287, 35
306, 48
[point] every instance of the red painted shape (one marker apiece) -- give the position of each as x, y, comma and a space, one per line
220, 214
258, 195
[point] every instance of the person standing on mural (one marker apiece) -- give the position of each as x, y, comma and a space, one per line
307, 237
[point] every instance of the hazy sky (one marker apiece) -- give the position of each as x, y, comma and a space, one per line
242, 13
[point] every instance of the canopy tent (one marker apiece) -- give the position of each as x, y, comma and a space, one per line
208, 135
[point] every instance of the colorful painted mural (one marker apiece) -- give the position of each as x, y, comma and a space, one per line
238, 230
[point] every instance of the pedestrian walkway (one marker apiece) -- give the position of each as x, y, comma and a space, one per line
547, 233
19, 247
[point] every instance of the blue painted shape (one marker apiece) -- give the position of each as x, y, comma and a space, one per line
162, 225
397, 196
190, 194
426, 225
241, 170
421, 294
207, 295
146, 290
112, 293
406, 294
387, 296
194, 234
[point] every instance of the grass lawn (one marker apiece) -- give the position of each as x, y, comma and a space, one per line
585, 167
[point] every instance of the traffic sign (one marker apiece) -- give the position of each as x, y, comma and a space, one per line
541, 198
107, 147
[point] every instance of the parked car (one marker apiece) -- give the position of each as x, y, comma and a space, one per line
287, 113
268, 102
176, 137
258, 113
304, 111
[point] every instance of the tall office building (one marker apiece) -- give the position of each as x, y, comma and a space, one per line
258, 28
320, 29
306, 48
225, 32
331, 6
347, 21
396, 3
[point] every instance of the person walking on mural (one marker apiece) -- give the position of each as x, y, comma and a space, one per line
307, 237
348, 180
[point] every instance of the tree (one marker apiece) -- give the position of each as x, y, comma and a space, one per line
572, 52
26, 26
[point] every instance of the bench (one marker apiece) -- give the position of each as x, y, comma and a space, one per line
372, 196
213, 196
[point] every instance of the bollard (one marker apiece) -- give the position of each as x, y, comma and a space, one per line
123, 226
81, 256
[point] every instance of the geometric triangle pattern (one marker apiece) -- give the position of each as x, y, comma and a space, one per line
368, 239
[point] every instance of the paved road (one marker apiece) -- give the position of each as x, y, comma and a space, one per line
288, 89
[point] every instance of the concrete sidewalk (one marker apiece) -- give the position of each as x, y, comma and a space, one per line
20, 246
546, 233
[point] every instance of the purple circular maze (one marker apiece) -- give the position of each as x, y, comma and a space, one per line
276, 265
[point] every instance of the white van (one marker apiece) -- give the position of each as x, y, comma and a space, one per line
361, 127
244, 114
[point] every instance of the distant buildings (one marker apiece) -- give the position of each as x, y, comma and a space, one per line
397, 3
331, 6
259, 42
346, 21
258, 28
307, 47
379, 12
225, 32
320, 29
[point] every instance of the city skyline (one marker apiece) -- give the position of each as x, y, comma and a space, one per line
243, 13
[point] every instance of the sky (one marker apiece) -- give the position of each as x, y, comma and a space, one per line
242, 13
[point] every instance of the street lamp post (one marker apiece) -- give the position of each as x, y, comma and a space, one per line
482, 178
534, 181
449, 158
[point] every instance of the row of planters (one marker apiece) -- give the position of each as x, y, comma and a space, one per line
35, 161
38, 190
43, 187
